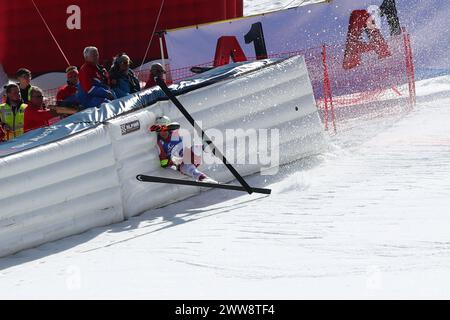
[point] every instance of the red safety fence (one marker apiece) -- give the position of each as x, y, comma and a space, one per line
375, 82
50, 96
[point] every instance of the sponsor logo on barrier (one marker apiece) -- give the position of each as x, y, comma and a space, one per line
129, 127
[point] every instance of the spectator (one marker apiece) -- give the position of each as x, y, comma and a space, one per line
24, 77
94, 81
123, 79
36, 114
12, 113
67, 95
156, 70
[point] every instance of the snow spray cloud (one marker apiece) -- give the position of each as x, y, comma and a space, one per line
250, 146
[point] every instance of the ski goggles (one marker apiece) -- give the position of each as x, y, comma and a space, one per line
164, 128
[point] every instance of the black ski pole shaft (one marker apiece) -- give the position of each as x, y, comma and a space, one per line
160, 82
145, 178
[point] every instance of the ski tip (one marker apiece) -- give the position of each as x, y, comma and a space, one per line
139, 177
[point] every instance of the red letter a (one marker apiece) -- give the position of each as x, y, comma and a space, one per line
360, 22
228, 46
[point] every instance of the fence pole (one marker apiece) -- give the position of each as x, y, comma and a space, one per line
325, 77
413, 72
408, 68
328, 96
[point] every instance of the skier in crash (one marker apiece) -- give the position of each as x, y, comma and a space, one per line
173, 154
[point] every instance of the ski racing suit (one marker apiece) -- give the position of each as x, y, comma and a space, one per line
171, 154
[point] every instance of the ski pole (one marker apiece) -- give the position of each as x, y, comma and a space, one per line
160, 82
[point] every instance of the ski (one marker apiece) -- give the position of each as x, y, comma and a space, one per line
145, 178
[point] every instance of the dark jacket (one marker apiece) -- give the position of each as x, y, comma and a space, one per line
124, 84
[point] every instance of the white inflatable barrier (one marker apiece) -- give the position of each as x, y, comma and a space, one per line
58, 190
89, 180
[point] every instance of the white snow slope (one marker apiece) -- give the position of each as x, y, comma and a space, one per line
368, 219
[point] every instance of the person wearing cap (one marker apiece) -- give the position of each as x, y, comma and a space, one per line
24, 77
157, 70
12, 113
67, 95
172, 153
94, 81
36, 114
123, 79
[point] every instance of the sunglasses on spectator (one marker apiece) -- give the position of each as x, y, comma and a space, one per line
40, 96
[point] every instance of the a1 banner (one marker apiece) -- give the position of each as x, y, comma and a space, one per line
286, 31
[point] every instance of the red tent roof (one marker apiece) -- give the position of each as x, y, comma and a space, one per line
112, 26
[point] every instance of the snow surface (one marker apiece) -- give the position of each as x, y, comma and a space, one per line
367, 219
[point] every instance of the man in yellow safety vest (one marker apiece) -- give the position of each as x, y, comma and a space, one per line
12, 114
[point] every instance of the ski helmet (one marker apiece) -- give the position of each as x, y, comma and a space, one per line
163, 121
164, 124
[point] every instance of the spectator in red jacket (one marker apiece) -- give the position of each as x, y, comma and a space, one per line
94, 81
36, 114
67, 95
